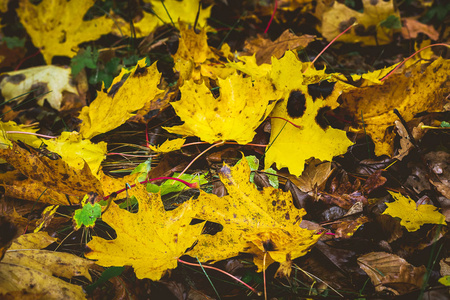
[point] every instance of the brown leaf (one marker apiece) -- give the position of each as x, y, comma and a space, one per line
54, 174
389, 272
265, 48
411, 29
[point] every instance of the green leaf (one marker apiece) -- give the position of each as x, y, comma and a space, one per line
445, 124
391, 22
273, 179
84, 59
171, 186
106, 275
87, 215
142, 169
13, 42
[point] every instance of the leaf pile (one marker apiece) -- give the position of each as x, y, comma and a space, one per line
136, 133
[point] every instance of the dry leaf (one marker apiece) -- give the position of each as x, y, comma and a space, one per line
389, 272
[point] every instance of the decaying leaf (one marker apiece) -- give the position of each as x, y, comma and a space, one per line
415, 90
51, 174
242, 105
24, 267
112, 109
389, 272
411, 28
255, 222
46, 83
150, 240
264, 49
412, 215
57, 27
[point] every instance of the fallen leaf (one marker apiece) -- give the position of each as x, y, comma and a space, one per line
371, 28
255, 222
168, 146
150, 240
412, 215
57, 27
242, 105
24, 267
415, 90
76, 151
167, 12
264, 48
411, 29
47, 83
389, 272
54, 174
112, 109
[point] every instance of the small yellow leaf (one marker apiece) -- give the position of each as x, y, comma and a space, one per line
168, 146
412, 215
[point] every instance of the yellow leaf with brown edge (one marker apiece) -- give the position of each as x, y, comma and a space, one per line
150, 240
112, 109
253, 221
25, 267
57, 26
418, 88
242, 105
76, 151
412, 215
369, 29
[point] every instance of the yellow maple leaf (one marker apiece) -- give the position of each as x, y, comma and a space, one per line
311, 140
369, 30
253, 221
57, 26
150, 240
112, 109
51, 82
75, 151
410, 92
194, 58
412, 215
242, 105
165, 12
